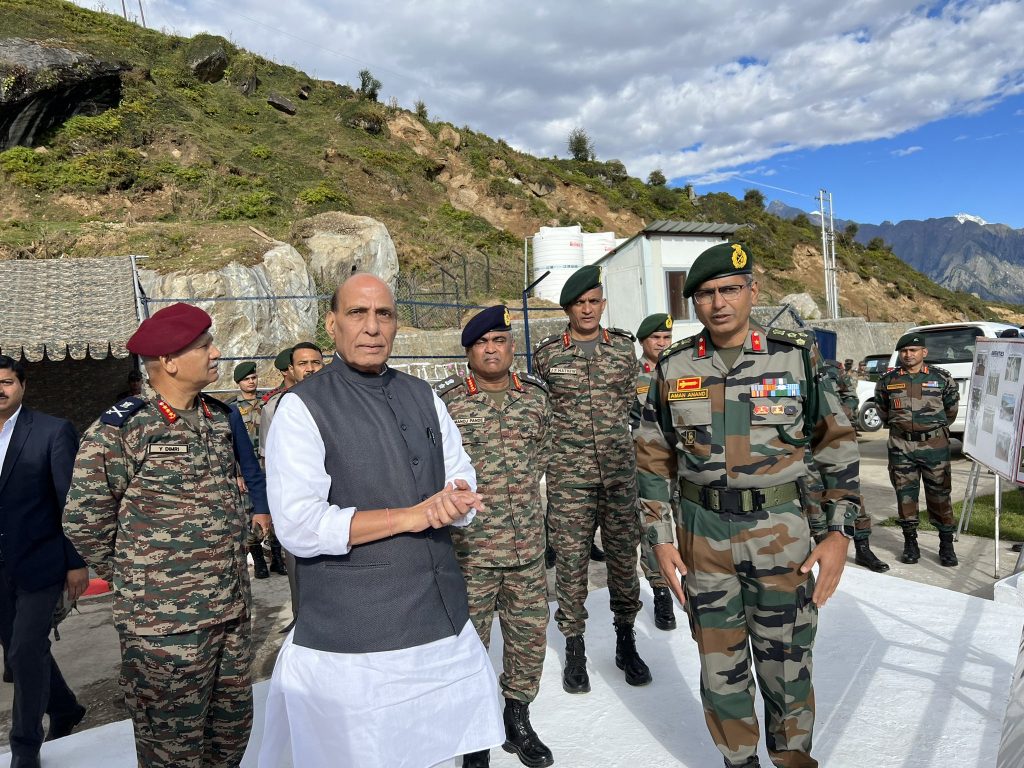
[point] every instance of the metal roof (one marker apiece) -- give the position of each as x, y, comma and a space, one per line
664, 226
59, 307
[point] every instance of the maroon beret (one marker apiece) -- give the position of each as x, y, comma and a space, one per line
169, 330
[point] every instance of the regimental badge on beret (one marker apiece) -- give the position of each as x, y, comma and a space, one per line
496, 318
911, 340
719, 260
654, 324
170, 330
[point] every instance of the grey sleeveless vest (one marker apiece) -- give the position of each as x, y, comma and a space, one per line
383, 444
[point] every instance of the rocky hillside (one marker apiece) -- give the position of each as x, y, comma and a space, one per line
118, 139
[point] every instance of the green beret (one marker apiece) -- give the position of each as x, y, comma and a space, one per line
248, 368
911, 340
653, 324
579, 282
283, 359
719, 260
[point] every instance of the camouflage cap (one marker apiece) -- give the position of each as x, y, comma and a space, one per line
719, 260
171, 329
653, 324
244, 369
579, 282
496, 318
911, 340
283, 359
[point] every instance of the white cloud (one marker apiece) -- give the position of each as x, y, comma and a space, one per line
695, 89
905, 152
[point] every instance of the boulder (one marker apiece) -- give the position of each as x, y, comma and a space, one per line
42, 85
340, 244
450, 137
540, 188
804, 304
208, 65
282, 104
250, 328
409, 129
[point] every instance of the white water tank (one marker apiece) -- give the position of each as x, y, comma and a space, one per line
596, 245
560, 250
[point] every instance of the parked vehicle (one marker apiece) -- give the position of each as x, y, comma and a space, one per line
876, 365
950, 346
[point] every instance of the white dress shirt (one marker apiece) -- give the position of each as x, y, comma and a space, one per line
8, 430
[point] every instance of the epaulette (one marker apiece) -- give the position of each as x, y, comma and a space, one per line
678, 346
622, 332
537, 381
940, 371
447, 385
119, 412
214, 403
793, 338
547, 340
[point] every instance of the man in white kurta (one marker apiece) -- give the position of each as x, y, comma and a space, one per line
365, 472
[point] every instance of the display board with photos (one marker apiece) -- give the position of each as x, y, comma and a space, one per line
994, 417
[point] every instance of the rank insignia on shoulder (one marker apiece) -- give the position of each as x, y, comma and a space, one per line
448, 384
786, 336
537, 381
679, 345
622, 332
118, 413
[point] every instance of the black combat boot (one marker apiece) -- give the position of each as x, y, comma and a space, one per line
626, 657
259, 563
752, 762
867, 558
596, 553
480, 759
574, 677
549, 556
664, 616
277, 561
911, 552
947, 556
520, 738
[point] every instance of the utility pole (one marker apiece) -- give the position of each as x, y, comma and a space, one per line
828, 255
124, 10
142, 14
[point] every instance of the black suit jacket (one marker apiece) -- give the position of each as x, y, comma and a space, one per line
34, 482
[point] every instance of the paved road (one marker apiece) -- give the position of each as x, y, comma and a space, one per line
88, 652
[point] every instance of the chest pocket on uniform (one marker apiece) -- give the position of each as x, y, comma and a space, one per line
692, 422
779, 417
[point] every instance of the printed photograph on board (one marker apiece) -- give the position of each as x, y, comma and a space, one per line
1012, 368
1006, 407
988, 419
992, 388
1003, 445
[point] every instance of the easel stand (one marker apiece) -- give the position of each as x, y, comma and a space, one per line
970, 492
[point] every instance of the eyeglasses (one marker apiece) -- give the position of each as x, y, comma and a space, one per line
728, 292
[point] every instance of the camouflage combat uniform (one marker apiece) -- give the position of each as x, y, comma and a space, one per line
250, 411
501, 552
591, 470
735, 440
918, 409
154, 508
648, 563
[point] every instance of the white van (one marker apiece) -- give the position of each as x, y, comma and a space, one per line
950, 346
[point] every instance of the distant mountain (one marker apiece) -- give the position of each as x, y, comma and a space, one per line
961, 252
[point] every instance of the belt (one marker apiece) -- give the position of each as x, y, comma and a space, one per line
739, 500
916, 436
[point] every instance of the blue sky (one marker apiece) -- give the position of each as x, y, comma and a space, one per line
900, 108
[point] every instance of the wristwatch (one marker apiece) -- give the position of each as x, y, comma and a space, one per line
846, 530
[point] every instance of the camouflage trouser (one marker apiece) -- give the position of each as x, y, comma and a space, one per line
189, 695
910, 462
743, 589
254, 538
573, 514
648, 562
519, 595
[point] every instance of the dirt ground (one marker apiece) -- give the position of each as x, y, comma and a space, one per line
89, 658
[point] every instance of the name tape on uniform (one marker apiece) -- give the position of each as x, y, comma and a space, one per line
697, 394
167, 448
564, 371
469, 420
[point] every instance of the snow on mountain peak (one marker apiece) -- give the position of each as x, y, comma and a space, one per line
962, 217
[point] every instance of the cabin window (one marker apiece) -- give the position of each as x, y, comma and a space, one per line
679, 307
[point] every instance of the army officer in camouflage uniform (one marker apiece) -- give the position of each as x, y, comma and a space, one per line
591, 374
655, 336
154, 507
503, 417
918, 402
730, 415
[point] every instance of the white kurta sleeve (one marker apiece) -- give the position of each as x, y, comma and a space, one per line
457, 464
305, 522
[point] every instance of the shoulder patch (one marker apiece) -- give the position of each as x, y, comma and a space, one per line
214, 403
622, 332
535, 380
447, 385
793, 338
119, 412
679, 346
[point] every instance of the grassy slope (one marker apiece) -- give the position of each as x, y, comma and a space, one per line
181, 168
